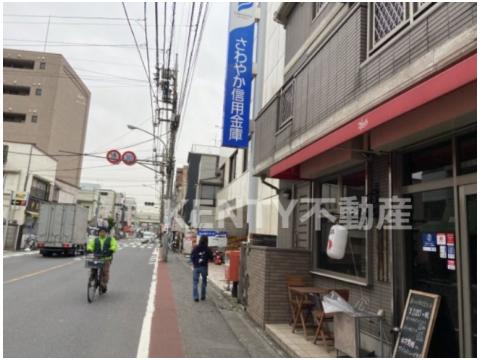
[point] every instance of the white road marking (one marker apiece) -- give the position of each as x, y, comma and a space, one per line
144, 342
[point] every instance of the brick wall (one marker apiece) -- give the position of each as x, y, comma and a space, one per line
267, 271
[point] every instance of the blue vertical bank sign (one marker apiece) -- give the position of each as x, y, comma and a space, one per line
238, 83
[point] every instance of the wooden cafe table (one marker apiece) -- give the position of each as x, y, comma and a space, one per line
300, 293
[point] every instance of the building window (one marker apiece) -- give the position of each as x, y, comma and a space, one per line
16, 90
467, 154
286, 105
427, 164
104, 193
40, 189
208, 192
38, 91
221, 175
418, 7
42, 65
388, 18
14, 117
18, 63
34, 118
354, 263
232, 167
317, 8
245, 159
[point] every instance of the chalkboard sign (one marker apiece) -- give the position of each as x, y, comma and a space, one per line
417, 325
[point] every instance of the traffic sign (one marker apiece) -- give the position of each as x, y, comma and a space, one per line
114, 157
129, 158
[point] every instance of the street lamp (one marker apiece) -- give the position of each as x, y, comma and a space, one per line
133, 127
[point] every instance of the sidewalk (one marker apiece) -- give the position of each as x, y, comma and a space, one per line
292, 344
212, 328
10, 253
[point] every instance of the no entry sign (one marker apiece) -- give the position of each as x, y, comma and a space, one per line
129, 158
114, 157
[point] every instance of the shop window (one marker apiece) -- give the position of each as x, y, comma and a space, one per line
354, 263
467, 154
427, 164
286, 105
430, 247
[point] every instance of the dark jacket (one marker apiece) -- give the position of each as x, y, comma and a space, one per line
200, 256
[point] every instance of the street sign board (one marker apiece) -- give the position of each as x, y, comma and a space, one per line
114, 157
129, 158
238, 83
215, 238
20, 199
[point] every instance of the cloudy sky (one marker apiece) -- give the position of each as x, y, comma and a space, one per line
116, 102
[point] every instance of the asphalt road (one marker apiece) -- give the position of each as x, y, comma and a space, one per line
46, 313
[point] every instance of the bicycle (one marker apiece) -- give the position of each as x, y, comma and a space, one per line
95, 264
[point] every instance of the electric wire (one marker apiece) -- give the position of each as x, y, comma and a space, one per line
139, 53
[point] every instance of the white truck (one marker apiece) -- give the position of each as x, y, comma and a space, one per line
62, 229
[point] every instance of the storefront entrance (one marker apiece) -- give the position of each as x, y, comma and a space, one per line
440, 249
468, 234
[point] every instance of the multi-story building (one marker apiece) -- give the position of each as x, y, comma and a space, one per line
203, 183
181, 181
245, 205
46, 103
106, 205
378, 100
89, 198
130, 210
28, 180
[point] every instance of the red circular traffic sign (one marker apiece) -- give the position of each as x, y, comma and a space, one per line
114, 157
129, 158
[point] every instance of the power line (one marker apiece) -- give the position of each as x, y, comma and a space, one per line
148, 61
76, 23
172, 32
64, 43
70, 17
141, 58
164, 31
187, 94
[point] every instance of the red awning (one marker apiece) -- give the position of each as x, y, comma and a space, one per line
438, 85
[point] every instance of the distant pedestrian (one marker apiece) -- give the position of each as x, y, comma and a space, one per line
200, 257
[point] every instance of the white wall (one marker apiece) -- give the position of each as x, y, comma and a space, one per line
267, 201
274, 55
16, 169
67, 194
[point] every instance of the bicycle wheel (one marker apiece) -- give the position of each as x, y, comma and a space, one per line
92, 287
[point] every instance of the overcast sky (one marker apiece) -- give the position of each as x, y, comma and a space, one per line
116, 102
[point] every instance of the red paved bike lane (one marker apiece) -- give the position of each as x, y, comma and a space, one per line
165, 337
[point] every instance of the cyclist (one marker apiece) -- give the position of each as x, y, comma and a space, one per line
103, 247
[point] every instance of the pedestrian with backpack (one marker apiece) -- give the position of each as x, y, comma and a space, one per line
200, 257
